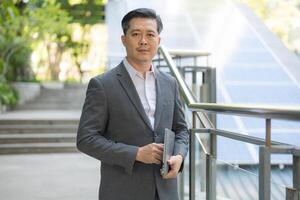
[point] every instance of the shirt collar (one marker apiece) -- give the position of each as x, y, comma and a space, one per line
133, 72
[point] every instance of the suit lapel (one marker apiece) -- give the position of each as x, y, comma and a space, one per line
159, 98
131, 92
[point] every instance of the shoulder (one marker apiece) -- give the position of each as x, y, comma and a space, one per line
107, 77
166, 76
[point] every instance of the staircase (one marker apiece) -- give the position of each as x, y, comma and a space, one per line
70, 97
48, 124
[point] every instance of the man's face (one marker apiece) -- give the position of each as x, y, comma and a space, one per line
141, 40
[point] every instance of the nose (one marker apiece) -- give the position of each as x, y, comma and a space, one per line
143, 40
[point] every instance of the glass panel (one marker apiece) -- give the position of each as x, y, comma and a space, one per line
237, 182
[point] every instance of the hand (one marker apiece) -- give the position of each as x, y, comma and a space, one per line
151, 153
175, 163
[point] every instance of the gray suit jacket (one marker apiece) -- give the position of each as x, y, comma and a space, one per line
114, 124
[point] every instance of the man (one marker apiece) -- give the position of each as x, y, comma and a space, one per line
125, 114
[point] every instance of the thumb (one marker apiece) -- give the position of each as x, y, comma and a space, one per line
170, 162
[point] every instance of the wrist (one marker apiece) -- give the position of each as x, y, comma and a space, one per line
137, 157
179, 157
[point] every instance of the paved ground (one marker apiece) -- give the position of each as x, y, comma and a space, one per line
71, 176
67, 176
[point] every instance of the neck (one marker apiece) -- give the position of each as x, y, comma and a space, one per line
141, 67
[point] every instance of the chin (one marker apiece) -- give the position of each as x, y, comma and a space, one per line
145, 59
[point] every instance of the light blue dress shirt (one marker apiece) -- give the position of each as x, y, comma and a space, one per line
145, 88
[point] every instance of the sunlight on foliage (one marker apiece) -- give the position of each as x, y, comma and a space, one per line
282, 17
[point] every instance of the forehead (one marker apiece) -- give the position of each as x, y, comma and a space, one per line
143, 24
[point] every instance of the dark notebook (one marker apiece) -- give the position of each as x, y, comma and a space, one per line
168, 150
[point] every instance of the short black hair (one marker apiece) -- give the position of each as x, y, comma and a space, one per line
141, 13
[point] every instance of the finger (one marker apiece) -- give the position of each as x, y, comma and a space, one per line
170, 162
170, 174
159, 152
158, 149
160, 146
156, 161
174, 167
158, 156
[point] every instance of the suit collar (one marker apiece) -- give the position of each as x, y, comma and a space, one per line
133, 72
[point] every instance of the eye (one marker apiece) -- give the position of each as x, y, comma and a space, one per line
134, 34
151, 35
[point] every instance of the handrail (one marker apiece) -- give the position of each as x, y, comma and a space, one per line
266, 146
262, 111
185, 91
188, 53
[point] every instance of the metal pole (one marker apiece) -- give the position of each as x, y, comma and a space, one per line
264, 173
211, 192
208, 90
213, 138
159, 59
209, 95
268, 132
192, 175
211, 170
296, 172
291, 194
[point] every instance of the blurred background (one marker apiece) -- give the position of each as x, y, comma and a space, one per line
49, 49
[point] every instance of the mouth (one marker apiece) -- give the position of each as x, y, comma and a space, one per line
143, 50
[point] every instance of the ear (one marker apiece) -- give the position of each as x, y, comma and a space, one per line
123, 38
159, 40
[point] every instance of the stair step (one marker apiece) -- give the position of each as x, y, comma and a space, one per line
37, 138
51, 130
39, 122
68, 98
37, 148
26, 128
49, 107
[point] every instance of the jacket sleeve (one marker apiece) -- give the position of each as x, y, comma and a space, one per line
179, 127
91, 131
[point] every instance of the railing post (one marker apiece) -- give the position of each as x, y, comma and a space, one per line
268, 132
264, 173
208, 90
296, 174
211, 192
291, 194
208, 94
192, 160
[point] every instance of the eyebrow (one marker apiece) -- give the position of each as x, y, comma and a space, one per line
133, 30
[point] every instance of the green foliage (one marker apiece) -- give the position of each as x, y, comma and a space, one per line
258, 5
15, 48
48, 20
50, 27
1, 66
7, 95
87, 12
28, 24
19, 63
8, 10
281, 17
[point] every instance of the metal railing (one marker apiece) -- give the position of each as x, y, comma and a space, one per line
266, 146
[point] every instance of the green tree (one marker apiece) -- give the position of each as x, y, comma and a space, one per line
50, 25
10, 44
13, 44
